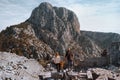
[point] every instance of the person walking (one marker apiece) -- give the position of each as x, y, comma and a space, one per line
70, 57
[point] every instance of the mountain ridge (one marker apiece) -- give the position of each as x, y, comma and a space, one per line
101, 38
49, 30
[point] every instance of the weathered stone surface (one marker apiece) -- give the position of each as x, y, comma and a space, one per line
104, 74
57, 25
14, 67
22, 41
114, 51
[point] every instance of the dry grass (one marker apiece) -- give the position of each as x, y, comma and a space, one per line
43, 62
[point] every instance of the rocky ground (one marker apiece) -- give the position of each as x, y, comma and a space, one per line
14, 67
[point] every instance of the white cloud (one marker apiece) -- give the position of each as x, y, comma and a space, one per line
95, 15
102, 17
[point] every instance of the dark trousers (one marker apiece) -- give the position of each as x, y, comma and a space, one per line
58, 67
70, 64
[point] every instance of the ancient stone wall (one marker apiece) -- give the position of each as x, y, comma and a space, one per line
95, 62
114, 51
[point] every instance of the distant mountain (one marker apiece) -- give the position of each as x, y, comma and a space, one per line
103, 40
53, 29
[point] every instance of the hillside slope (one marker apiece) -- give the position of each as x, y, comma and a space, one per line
104, 40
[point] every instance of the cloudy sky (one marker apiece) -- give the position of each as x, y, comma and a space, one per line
93, 15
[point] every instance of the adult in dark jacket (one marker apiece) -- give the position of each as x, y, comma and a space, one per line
70, 57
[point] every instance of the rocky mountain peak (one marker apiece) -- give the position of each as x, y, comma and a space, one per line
54, 19
46, 5
56, 24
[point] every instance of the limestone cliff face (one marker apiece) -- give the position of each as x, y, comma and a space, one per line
48, 30
55, 26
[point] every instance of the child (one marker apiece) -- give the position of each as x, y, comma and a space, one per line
57, 60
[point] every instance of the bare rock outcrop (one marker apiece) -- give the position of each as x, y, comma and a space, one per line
21, 39
55, 26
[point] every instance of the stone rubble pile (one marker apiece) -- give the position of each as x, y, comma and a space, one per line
13, 67
104, 74
90, 74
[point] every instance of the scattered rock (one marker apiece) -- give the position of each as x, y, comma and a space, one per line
11, 69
